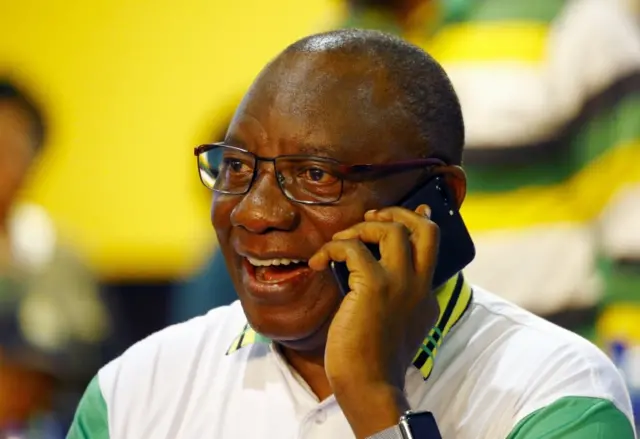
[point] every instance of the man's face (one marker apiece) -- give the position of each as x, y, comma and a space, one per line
17, 149
320, 104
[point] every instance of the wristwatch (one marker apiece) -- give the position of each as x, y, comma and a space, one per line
412, 425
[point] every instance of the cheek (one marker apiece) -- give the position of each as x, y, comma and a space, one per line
330, 220
221, 208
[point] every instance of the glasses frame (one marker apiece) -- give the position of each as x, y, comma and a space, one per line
357, 172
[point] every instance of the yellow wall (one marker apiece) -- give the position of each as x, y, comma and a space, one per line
132, 85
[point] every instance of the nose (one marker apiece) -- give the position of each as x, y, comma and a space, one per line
265, 208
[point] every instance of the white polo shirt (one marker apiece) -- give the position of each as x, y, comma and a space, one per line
488, 370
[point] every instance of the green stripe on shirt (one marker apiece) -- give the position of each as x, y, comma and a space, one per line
91, 420
575, 418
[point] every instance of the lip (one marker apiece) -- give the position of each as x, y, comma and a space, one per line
270, 255
273, 293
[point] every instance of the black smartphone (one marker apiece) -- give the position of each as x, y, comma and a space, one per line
419, 425
456, 248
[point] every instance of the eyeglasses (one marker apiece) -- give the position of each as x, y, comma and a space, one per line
303, 179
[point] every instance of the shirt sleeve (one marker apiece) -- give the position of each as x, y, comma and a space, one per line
575, 418
91, 420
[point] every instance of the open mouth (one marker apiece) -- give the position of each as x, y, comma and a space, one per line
275, 270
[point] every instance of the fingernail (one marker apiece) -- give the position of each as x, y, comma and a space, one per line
314, 264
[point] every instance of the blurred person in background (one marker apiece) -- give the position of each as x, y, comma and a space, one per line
551, 94
52, 319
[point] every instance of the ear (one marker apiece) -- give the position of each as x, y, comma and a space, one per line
457, 181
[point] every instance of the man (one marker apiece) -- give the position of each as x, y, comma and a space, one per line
294, 358
551, 97
51, 317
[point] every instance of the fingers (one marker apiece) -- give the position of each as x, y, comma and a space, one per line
423, 233
408, 246
365, 273
393, 239
351, 251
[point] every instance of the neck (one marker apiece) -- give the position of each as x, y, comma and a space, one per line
307, 357
310, 367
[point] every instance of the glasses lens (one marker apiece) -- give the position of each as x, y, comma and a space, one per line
309, 180
226, 169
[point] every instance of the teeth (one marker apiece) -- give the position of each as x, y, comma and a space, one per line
270, 262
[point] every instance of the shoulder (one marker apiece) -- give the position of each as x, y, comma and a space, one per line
166, 361
516, 375
173, 348
154, 376
535, 361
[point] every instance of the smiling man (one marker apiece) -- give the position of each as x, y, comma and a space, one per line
294, 358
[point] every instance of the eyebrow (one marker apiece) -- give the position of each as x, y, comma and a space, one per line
234, 141
326, 150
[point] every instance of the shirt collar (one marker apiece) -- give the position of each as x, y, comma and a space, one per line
453, 297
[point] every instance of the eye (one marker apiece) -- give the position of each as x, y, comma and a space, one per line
235, 165
320, 176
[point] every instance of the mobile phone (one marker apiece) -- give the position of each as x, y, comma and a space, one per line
456, 248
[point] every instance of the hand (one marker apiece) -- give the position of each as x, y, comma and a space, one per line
383, 319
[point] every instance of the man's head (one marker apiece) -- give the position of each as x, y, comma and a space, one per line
22, 131
353, 96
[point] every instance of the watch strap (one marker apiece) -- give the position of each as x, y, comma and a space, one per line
390, 433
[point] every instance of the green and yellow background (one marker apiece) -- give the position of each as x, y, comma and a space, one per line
131, 86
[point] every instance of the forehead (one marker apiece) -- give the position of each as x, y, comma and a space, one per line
327, 104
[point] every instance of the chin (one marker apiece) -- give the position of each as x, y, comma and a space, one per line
301, 325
